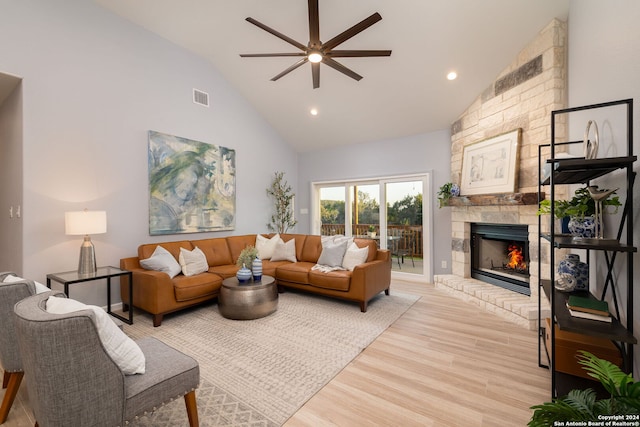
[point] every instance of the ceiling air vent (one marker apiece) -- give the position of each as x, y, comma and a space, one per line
201, 98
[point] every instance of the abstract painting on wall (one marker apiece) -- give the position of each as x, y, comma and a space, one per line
192, 186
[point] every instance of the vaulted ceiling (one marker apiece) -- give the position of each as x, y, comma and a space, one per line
404, 94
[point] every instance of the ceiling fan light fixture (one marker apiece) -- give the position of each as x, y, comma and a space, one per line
314, 57
452, 75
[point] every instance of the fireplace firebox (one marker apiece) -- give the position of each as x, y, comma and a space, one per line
500, 255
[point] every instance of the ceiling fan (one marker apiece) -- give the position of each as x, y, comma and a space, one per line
317, 52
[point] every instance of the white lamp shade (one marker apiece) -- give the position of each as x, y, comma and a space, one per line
85, 222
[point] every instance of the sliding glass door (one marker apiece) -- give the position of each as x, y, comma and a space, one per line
389, 210
405, 225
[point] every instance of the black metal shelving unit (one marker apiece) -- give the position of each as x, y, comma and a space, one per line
581, 171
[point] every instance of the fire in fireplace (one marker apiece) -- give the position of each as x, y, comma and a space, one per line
500, 255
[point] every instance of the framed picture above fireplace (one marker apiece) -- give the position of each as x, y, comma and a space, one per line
491, 166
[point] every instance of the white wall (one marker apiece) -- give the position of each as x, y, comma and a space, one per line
429, 152
93, 85
604, 65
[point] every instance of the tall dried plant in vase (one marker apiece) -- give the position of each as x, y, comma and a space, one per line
283, 218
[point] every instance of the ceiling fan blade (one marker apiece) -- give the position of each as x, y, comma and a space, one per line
277, 34
357, 53
269, 55
290, 69
315, 74
339, 67
314, 24
347, 34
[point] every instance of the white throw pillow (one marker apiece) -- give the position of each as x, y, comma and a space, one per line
266, 246
285, 251
332, 254
122, 349
162, 260
355, 256
40, 288
193, 262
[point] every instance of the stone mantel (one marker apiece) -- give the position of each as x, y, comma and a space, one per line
507, 199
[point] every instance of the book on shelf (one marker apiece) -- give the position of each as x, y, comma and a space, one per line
590, 316
588, 305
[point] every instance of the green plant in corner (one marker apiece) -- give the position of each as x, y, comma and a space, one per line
582, 405
247, 256
283, 218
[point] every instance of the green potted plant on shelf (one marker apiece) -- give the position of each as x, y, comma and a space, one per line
582, 405
580, 210
372, 231
446, 192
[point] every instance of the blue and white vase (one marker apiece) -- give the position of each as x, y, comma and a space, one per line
455, 190
584, 227
573, 275
257, 269
244, 274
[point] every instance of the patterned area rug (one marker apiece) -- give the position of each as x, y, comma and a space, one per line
260, 372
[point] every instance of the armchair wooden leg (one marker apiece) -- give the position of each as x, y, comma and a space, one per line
192, 408
5, 379
15, 378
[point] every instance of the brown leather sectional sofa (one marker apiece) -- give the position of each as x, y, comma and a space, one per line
156, 293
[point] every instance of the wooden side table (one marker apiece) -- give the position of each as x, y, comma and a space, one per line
70, 277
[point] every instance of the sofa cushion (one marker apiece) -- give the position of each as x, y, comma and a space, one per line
266, 246
191, 287
297, 272
269, 267
332, 254
338, 280
192, 262
216, 250
225, 271
355, 256
238, 243
162, 260
285, 251
312, 248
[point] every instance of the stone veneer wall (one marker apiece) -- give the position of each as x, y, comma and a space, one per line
523, 96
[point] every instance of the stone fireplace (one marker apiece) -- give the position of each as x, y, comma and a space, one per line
522, 96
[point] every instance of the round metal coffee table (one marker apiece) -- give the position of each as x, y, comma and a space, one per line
246, 301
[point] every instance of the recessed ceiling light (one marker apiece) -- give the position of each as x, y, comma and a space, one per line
452, 75
314, 111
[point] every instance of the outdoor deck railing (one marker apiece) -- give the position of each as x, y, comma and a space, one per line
409, 234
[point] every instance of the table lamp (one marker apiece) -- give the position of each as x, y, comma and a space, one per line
84, 223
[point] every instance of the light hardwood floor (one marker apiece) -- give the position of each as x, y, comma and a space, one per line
445, 362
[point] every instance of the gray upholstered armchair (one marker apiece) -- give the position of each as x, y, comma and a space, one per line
10, 294
72, 380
